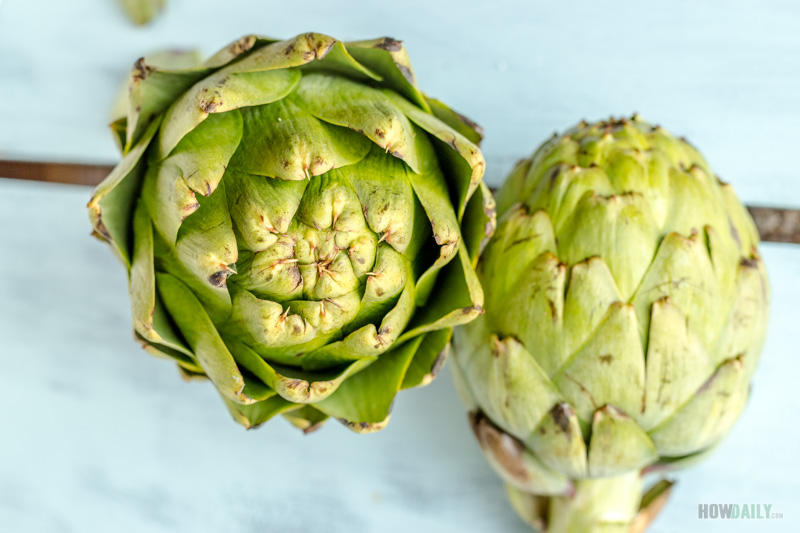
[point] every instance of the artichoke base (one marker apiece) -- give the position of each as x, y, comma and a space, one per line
602, 505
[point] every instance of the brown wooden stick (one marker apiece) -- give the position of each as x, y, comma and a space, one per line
77, 174
777, 225
774, 224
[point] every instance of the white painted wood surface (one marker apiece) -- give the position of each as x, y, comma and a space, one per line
724, 73
95, 435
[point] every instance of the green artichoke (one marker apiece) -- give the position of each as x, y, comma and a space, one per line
142, 11
626, 307
300, 225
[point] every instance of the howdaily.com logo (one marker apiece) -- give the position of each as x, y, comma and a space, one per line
736, 511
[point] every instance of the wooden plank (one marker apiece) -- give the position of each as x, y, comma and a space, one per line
777, 225
774, 224
76, 173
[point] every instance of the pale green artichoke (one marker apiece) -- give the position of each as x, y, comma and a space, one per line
626, 307
300, 225
142, 11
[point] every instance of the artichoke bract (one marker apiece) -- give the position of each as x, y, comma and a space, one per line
142, 11
626, 307
300, 225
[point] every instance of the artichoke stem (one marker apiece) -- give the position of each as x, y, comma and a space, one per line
607, 505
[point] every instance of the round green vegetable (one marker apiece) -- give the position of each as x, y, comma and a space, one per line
142, 11
300, 225
626, 307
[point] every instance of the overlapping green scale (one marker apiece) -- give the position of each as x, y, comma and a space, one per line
626, 306
300, 224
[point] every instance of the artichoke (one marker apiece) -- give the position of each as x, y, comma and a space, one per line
300, 225
142, 11
626, 307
